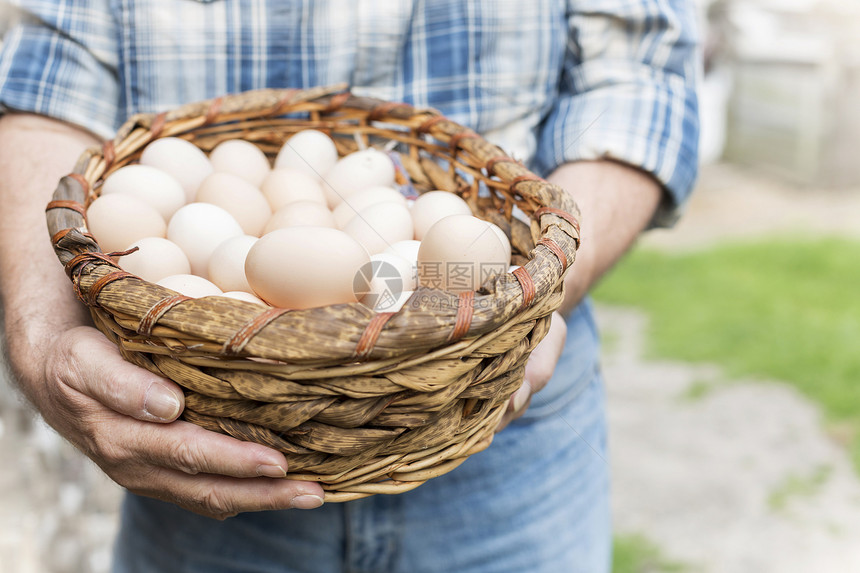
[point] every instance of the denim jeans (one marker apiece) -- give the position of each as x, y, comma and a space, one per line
536, 501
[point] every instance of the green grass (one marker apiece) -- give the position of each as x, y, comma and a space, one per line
779, 309
700, 389
637, 554
798, 486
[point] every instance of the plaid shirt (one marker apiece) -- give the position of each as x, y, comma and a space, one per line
549, 81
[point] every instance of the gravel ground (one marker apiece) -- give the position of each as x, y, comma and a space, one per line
741, 478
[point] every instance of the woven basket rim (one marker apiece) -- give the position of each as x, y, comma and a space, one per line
251, 333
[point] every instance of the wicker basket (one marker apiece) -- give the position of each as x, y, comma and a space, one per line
362, 402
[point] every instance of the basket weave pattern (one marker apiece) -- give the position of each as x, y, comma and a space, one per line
362, 402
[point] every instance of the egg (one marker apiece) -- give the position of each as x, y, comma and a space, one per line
155, 259
392, 264
406, 249
241, 158
118, 220
288, 185
460, 252
380, 225
310, 151
239, 198
345, 212
242, 295
503, 239
305, 267
181, 159
433, 206
300, 214
198, 229
355, 172
152, 186
384, 280
227, 264
190, 285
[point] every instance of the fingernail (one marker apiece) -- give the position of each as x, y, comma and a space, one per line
306, 502
271, 471
161, 403
521, 396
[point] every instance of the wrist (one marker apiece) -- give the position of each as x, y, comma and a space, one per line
617, 202
31, 330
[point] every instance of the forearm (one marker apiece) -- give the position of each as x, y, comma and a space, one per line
37, 298
617, 203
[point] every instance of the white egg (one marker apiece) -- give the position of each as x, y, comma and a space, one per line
155, 259
355, 172
406, 249
242, 295
305, 267
198, 229
117, 220
310, 151
300, 214
227, 264
353, 204
459, 253
389, 276
181, 159
379, 226
154, 187
287, 185
503, 239
241, 158
190, 285
239, 198
433, 206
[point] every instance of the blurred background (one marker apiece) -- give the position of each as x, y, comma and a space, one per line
730, 341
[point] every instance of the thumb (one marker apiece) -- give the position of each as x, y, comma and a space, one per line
88, 362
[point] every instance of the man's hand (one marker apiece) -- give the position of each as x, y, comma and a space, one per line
120, 415
123, 416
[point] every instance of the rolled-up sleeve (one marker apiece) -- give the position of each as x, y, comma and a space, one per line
628, 93
59, 59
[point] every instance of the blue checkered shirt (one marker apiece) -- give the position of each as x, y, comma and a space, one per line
547, 80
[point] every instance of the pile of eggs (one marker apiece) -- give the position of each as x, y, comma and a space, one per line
311, 230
